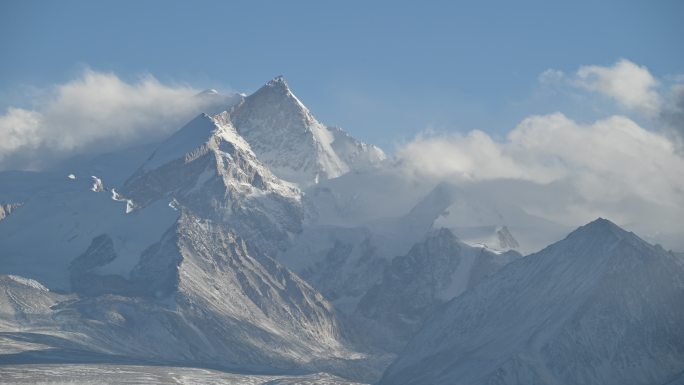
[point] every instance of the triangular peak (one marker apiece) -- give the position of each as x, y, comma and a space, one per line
601, 227
277, 93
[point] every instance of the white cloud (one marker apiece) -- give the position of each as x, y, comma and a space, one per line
472, 156
571, 172
575, 172
608, 158
552, 77
96, 112
659, 100
630, 85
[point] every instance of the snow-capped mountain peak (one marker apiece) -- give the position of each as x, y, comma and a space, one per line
287, 137
278, 81
277, 93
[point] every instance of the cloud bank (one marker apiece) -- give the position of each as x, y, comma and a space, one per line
571, 172
634, 89
607, 160
97, 112
552, 166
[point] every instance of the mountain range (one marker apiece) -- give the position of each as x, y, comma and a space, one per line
258, 240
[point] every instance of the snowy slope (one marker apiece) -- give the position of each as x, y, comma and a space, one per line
286, 136
228, 199
228, 307
57, 223
207, 168
413, 285
599, 307
174, 265
87, 374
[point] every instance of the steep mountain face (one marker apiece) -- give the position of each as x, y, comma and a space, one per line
600, 307
174, 265
210, 170
217, 265
287, 138
229, 307
433, 272
227, 200
198, 296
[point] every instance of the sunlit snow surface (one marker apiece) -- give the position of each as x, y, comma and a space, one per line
74, 374
258, 240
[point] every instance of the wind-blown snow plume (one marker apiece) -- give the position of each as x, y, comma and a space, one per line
97, 112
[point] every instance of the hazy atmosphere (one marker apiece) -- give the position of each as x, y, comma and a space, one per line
324, 190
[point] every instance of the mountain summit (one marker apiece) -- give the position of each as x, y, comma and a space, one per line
286, 137
278, 81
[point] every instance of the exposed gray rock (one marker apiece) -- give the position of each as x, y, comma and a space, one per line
414, 285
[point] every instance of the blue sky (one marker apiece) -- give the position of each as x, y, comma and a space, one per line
383, 70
